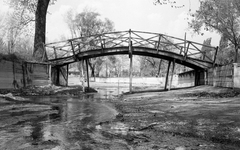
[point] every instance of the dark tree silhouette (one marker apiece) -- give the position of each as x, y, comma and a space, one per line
40, 30
221, 16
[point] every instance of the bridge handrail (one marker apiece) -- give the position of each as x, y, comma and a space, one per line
119, 38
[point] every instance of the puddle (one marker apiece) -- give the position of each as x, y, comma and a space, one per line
65, 124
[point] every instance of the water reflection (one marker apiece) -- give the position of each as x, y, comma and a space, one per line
58, 114
59, 122
36, 133
71, 121
109, 93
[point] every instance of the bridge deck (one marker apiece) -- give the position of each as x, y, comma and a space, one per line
131, 42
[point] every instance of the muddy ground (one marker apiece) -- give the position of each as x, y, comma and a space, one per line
198, 118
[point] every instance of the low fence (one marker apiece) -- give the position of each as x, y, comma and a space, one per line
16, 74
220, 76
236, 74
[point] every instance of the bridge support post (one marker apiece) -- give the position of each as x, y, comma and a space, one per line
130, 75
159, 67
58, 76
67, 75
50, 73
196, 78
87, 74
173, 67
166, 81
82, 75
130, 57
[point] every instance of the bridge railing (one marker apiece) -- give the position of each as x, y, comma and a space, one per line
63, 51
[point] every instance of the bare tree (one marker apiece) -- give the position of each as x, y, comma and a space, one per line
89, 23
39, 9
69, 19
15, 25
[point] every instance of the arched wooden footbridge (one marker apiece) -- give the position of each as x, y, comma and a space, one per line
173, 49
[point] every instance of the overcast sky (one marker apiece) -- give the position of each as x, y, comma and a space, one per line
128, 14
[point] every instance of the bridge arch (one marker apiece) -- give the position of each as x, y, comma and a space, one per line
157, 45
181, 51
145, 51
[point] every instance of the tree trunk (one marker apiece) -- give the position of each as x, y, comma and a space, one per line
40, 30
